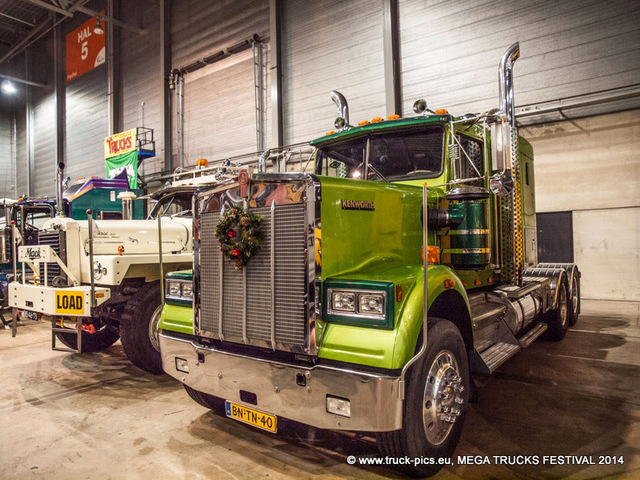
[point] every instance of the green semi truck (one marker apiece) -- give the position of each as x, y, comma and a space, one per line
362, 296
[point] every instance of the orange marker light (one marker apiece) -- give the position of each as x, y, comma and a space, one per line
120, 249
202, 162
398, 293
331, 132
393, 117
441, 111
477, 282
377, 119
363, 122
449, 283
433, 254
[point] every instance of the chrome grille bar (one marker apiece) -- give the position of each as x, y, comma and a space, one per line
273, 274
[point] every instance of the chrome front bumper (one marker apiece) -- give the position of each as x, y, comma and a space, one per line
376, 404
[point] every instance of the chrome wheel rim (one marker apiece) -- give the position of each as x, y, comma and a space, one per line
154, 332
562, 306
574, 296
442, 400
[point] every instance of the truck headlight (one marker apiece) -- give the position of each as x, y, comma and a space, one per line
360, 303
178, 291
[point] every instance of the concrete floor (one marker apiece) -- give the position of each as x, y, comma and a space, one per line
96, 416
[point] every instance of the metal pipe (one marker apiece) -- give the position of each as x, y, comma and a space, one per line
180, 117
160, 256
343, 108
505, 74
91, 274
425, 292
263, 160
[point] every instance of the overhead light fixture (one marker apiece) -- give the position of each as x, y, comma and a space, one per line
98, 30
8, 87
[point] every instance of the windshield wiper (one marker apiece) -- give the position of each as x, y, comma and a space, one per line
384, 179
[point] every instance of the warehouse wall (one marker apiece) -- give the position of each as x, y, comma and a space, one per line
219, 115
141, 80
590, 166
331, 45
7, 156
451, 50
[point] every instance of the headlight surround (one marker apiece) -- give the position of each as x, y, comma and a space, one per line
178, 291
360, 303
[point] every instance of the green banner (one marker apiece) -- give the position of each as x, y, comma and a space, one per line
126, 161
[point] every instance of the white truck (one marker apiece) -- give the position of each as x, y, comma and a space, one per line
100, 280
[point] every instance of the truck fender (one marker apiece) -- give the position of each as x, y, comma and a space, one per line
554, 273
448, 302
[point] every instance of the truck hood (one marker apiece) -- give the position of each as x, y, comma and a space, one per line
136, 237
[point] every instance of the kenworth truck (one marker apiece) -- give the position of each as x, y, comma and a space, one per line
375, 286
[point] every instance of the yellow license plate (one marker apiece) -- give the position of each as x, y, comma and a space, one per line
262, 420
70, 302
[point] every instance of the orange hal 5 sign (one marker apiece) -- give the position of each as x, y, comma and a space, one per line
85, 49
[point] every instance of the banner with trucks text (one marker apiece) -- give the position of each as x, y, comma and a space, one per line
120, 153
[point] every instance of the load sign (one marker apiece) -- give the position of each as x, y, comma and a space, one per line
70, 302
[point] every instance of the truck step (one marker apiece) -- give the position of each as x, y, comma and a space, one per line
496, 355
532, 335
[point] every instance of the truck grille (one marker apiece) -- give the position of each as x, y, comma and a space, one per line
236, 305
56, 241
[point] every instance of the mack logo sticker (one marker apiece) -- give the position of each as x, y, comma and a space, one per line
33, 253
358, 205
69, 302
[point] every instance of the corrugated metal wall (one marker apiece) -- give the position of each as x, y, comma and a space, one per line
451, 50
87, 124
7, 156
330, 45
219, 113
141, 79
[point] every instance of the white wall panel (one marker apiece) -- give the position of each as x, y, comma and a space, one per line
451, 50
607, 250
219, 100
587, 163
219, 110
7, 156
330, 45
44, 140
141, 79
87, 124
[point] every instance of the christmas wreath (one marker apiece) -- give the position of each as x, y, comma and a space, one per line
239, 235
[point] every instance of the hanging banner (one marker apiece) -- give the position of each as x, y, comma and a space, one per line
85, 49
120, 153
126, 162
120, 143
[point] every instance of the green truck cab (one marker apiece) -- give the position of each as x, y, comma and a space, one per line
370, 290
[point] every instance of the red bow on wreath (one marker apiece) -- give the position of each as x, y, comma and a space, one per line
239, 235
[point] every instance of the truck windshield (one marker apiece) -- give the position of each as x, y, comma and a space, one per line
173, 204
388, 157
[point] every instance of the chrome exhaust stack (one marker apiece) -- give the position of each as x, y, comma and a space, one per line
342, 121
504, 146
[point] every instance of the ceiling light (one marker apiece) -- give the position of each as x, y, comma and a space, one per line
98, 30
8, 87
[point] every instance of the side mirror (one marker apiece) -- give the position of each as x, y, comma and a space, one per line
501, 183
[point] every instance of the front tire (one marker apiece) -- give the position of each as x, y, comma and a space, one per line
435, 403
138, 329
